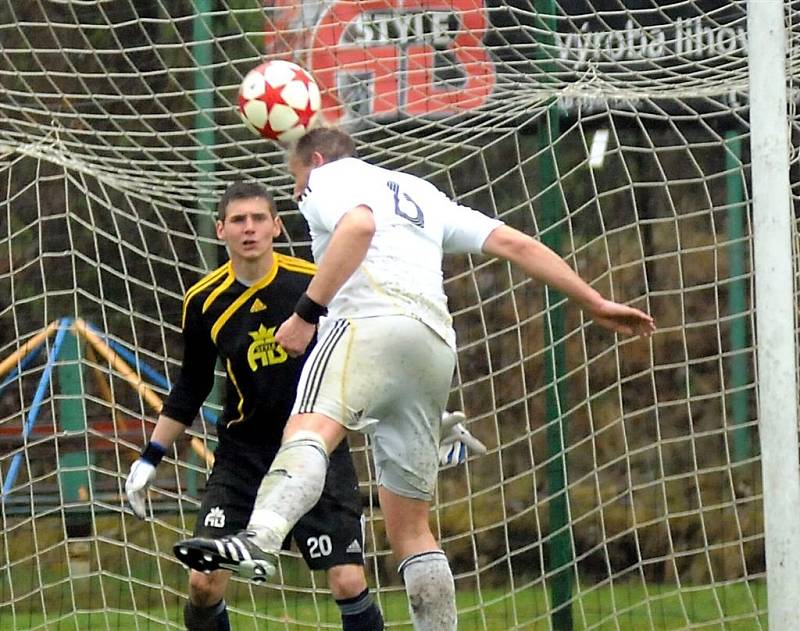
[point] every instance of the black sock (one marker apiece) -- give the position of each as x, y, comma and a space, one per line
214, 618
360, 613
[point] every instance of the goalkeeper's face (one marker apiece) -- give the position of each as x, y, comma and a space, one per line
248, 229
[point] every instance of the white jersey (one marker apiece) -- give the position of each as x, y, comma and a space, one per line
415, 224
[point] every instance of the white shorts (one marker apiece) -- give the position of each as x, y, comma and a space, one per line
389, 377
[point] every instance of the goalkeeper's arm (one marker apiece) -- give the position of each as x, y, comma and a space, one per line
143, 471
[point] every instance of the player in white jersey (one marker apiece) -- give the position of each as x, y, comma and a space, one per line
384, 359
402, 270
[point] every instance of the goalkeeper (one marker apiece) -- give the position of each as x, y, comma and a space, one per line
232, 314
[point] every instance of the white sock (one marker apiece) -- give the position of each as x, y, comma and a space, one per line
290, 489
431, 591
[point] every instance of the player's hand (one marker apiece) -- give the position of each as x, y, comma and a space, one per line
141, 475
295, 334
623, 319
457, 442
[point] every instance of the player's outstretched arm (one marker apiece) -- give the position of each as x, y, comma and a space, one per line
345, 252
143, 470
542, 264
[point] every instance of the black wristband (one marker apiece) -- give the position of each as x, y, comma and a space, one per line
153, 453
309, 310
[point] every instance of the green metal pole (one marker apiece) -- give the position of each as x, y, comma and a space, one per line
560, 541
560, 555
737, 294
203, 52
73, 463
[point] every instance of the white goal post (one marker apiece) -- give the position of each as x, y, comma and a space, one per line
776, 309
629, 484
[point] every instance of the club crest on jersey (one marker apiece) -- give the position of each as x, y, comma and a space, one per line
215, 518
264, 350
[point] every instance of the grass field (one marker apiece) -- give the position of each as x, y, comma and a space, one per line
736, 607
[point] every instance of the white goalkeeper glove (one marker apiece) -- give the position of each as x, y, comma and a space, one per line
457, 443
142, 473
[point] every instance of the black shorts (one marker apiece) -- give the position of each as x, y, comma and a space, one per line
330, 534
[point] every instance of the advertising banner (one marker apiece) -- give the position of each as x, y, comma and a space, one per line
390, 59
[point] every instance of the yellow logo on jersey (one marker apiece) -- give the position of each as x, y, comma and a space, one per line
264, 350
257, 306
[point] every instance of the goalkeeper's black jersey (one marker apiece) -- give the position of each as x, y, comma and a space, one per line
222, 318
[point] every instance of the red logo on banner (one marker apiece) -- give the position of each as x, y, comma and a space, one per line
386, 58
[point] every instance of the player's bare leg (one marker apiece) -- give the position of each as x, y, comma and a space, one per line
348, 586
206, 609
423, 566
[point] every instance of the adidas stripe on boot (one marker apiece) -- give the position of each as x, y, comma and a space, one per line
236, 553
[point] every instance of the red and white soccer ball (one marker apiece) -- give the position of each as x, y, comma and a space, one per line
279, 100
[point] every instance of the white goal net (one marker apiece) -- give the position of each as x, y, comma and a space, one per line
622, 485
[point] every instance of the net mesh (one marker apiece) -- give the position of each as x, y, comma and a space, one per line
622, 486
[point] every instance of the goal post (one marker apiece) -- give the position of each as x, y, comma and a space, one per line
776, 309
629, 484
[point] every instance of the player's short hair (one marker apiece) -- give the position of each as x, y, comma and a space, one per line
244, 190
333, 143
